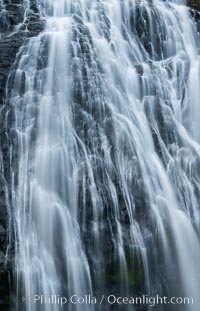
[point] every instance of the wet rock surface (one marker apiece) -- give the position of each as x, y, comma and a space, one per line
194, 6
17, 25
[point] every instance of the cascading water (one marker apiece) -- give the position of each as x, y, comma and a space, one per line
106, 180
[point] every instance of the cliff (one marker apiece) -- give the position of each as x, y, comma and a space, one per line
17, 24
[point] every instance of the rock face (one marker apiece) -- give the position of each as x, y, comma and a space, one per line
194, 6
17, 25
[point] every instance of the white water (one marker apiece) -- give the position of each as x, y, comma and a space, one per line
108, 173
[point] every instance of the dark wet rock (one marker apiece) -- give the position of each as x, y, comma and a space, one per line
15, 13
194, 6
9, 46
29, 24
35, 27
11, 14
4, 285
33, 6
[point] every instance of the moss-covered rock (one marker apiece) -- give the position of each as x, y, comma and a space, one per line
194, 4
135, 277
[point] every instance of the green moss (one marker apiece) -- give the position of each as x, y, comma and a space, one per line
115, 277
194, 4
134, 278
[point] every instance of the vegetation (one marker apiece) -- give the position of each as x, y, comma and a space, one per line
194, 4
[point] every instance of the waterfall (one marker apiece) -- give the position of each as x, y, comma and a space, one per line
106, 154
